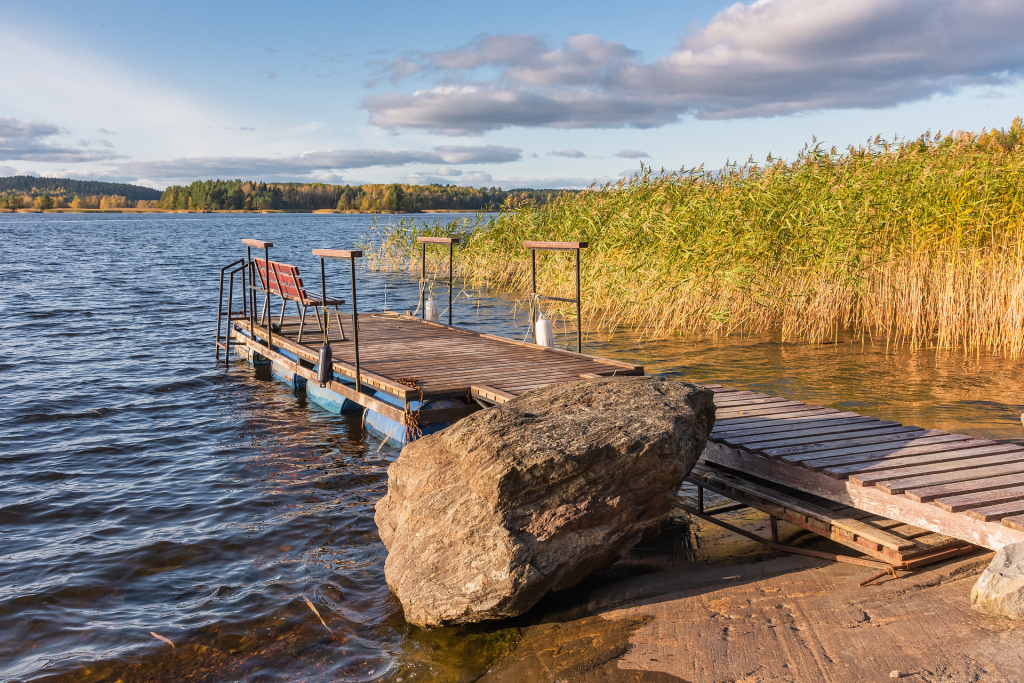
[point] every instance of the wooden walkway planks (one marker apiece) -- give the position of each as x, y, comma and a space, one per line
442, 361
885, 539
950, 484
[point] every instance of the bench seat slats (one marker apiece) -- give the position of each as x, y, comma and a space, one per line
285, 281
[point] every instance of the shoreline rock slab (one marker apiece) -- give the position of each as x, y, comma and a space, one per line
483, 519
1000, 589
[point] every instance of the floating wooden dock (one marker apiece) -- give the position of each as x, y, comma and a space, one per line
415, 360
948, 484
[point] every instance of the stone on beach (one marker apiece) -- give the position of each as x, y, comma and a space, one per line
486, 517
1000, 589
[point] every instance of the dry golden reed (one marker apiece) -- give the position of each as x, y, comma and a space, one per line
914, 242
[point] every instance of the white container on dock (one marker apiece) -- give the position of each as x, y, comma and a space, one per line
431, 311
543, 333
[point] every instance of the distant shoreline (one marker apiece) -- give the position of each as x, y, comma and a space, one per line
129, 210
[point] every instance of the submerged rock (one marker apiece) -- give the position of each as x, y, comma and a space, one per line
484, 518
1000, 589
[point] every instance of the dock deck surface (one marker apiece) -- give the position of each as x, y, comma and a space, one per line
415, 360
951, 484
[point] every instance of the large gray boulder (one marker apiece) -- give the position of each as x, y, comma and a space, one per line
484, 518
1000, 588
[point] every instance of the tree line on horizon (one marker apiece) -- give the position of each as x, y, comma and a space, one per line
238, 195
46, 201
67, 188
28, 192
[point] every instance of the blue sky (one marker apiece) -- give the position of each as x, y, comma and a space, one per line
524, 95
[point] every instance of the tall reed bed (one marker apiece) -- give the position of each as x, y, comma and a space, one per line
918, 243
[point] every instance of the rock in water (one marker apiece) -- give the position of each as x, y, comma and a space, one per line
484, 518
1000, 589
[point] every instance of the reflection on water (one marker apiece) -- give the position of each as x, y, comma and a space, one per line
145, 490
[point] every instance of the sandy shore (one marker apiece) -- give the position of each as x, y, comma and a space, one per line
781, 618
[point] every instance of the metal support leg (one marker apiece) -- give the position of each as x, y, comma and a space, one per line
302, 319
280, 319
266, 307
337, 316
319, 322
700, 499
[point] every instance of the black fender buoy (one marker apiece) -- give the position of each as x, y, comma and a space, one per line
324, 366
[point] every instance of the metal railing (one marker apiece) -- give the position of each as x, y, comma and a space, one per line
351, 255
230, 270
555, 246
424, 241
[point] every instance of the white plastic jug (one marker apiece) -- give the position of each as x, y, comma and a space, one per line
543, 333
430, 311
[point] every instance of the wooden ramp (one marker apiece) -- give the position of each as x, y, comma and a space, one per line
415, 360
901, 545
948, 484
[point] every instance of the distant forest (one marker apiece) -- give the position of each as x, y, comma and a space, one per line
211, 195
68, 188
26, 192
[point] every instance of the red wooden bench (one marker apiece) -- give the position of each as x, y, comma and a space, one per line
285, 281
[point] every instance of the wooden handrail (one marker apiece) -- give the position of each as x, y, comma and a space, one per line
259, 244
337, 253
558, 246
438, 240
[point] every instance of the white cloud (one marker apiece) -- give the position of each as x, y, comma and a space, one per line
8, 170
80, 96
772, 57
448, 172
31, 141
631, 154
311, 165
477, 178
568, 154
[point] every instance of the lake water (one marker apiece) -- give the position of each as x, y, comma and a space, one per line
145, 489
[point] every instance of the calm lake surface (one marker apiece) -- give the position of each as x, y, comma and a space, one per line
145, 489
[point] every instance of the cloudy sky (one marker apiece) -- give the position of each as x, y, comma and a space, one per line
530, 94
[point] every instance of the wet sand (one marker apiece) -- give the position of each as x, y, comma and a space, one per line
779, 618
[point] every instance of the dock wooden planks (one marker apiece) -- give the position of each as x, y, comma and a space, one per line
949, 484
416, 360
887, 540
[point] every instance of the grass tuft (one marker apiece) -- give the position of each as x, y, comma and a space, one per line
912, 242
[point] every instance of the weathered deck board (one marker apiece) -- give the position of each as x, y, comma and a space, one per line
443, 361
885, 539
937, 484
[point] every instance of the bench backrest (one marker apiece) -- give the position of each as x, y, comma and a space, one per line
284, 280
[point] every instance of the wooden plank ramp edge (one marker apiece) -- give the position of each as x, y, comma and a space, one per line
848, 524
489, 393
992, 535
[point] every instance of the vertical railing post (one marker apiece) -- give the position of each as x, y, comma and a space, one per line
534, 305
220, 305
227, 332
351, 255
579, 318
355, 316
451, 242
533, 297
252, 291
270, 316
265, 246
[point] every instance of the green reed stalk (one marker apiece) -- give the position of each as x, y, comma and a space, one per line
917, 243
